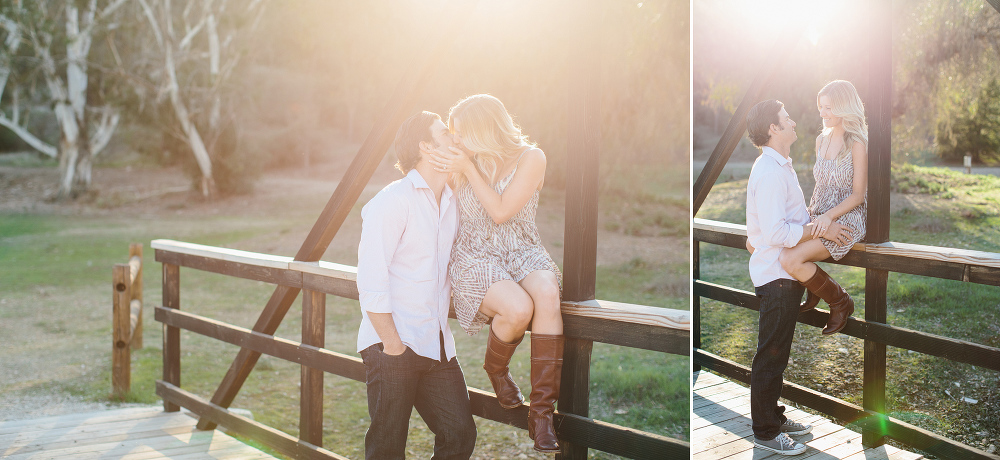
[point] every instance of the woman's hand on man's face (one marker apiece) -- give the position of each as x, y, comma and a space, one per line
453, 161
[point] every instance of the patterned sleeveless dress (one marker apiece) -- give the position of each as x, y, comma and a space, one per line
834, 183
486, 252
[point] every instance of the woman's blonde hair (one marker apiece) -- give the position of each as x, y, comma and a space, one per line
488, 132
846, 105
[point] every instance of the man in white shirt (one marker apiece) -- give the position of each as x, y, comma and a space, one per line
776, 219
407, 346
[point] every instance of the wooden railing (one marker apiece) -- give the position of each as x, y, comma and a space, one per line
126, 319
635, 326
936, 262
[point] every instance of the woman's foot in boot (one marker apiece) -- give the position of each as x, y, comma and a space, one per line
841, 304
497, 367
810, 303
546, 373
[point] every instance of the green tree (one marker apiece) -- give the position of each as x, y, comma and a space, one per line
974, 131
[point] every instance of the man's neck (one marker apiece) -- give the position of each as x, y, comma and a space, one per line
784, 150
435, 180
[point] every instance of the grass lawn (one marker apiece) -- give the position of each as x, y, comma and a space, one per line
931, 206
55, 298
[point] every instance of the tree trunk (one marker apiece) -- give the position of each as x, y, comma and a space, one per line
190, 130
69, 149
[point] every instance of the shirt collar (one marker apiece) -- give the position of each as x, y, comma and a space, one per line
417, 179
782, 161
419, 182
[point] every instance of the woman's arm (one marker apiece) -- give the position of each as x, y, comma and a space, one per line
501, 207
859, 157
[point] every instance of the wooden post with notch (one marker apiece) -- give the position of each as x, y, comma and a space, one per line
580, 233
877, 226
171, 335
135, 300
121, 354
311, 390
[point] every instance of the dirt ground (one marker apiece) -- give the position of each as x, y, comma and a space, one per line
156, 197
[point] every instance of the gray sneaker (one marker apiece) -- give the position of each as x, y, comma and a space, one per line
781, 444
795, 428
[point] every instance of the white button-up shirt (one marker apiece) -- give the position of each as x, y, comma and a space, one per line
406, 240
776, 214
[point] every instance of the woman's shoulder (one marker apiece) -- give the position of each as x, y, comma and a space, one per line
532, 153
859, 148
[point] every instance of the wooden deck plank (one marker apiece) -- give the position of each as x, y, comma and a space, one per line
16, 426
134, 434
743, 447
721, 428
198, 441
741, 428
46, 440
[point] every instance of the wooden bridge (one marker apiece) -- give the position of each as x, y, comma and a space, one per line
128, 434
635, 326
721, 428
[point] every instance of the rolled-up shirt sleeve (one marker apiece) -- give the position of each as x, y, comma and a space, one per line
775, 228
383, 220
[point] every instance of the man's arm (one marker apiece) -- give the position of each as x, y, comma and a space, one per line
382, 223
776, 230
386, 330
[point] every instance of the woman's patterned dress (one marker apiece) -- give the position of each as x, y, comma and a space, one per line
834, 183
486, 252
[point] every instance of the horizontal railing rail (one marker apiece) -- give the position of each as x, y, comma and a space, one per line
936, 262
635, 326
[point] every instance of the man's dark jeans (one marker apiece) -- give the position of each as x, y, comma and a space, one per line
779, 308
397, 384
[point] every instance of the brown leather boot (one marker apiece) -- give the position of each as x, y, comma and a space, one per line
841, 304
498, 355
546, 372
811, 301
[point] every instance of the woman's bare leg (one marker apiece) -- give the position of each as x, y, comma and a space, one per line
543, 288
798, 261
511, 309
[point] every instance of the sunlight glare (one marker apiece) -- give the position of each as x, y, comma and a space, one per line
776, 15
812, 33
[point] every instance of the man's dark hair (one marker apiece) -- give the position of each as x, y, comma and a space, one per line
759, 121
415, 129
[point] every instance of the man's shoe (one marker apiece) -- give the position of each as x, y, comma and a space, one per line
795, 428
781, 444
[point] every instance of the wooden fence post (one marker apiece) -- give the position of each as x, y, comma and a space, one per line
121, 354
879, 160
311, 390
580, 234
695, 298
135, 261
171, 335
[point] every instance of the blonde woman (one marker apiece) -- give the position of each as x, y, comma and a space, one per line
499, 268
841, 173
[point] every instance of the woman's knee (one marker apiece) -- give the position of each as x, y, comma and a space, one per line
514, 305
789, 260
543, 287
